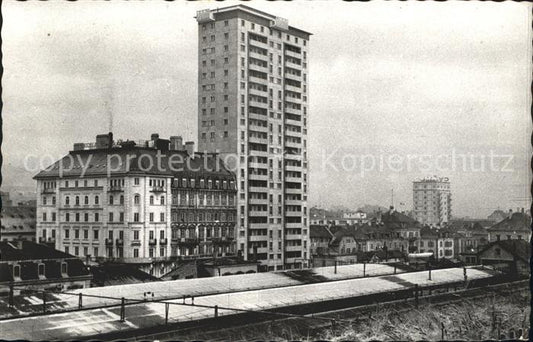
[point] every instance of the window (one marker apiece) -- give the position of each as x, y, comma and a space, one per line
77, 200
151, 215
136, 181
86, 200
110, 217
162, 217
111, 200
95, 234
96, 199
151, 199
137, 199
64, 265
135, 252
40, 270
135, 217
16, 271
96, 217
162, 200
67, 200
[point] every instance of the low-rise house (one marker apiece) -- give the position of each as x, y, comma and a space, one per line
471, 238
515, 226
335, 244
407, 227
442, 242
510, 256
357, 217
379, 236
497, 216
320, 237
429, 239
28, 266
344, 241
447, 246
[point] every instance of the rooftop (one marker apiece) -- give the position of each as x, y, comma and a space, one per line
28, 250
516, 222
519, 248
254, 12
158, 158
319, 231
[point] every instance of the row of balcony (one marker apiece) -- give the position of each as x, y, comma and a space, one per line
112, 188
179, 241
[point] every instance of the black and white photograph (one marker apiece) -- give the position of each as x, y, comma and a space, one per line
266, 170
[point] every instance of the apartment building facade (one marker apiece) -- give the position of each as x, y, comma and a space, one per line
253, 108
111, 201
432, 200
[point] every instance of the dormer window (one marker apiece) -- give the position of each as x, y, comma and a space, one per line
41, 271
16, 271
64, 269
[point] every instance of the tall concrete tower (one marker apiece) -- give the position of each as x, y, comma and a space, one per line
253, 109
432, 200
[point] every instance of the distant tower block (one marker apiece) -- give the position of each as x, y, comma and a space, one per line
432, 200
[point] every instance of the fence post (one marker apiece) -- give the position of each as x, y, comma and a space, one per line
429, 273
335, 266
123, 310
442, 331
192, 300
364, 269
167, 306
80, 300
44, 301
11, 296
394, 269
416, 296
464, 273
216, 310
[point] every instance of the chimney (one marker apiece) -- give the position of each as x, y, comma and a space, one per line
110, 136
522, 210
102, 140
176, 143
510, 213
189, 147
154, 136
79, 146
162, 144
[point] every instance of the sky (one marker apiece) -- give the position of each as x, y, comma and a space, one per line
397, 91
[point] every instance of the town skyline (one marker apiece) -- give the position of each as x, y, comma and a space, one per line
400, 105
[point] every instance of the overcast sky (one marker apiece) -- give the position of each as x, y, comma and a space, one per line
386, 79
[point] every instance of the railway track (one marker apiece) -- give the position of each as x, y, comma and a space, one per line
224, 328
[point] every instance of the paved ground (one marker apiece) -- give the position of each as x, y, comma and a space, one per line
189, 287
90, 322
